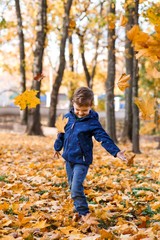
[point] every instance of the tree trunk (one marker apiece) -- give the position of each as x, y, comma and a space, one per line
89, 76
34, 124
71, 66
110, 109
22, 57
84, 63
135, 110
62, 62
127, 129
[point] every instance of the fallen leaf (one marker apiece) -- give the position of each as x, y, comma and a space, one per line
41, 224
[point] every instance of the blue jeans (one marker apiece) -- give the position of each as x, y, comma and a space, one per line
76, 174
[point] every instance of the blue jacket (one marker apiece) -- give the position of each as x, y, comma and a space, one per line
77, 140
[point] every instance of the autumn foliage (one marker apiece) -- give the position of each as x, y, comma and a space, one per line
27, 99
35, 200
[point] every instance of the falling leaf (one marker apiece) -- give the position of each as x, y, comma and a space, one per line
147, 128
27, 99
61, 123
123, 20
130, 160
132, 33
146, 106
39, 77
123, 82
72, 24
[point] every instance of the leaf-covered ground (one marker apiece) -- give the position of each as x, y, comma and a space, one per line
35, 201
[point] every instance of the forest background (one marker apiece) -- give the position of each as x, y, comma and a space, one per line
93, 43
112, 47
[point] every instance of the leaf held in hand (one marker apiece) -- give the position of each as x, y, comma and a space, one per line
61, 123
123, 82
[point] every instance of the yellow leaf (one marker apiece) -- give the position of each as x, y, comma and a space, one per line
8, 238
123, 82
61, 123
27, 99
68, 230
107, 234
90, 220
123, 20
147, 128
4, 206
146, 106
132, 33
41, 224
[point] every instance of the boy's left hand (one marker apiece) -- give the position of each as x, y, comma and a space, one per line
121, 155
56, 154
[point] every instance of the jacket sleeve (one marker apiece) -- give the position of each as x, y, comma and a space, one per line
101, 136
58, 144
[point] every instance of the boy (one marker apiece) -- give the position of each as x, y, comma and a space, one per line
77, 145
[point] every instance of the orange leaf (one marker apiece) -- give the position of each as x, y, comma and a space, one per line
123, 82
61, 123
147, 128
39, 77
107, 234
4, 206
41, 224
89, 220
123, 20
146, 106
130, 160
132, 33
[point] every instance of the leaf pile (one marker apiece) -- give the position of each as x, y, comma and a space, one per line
35, 201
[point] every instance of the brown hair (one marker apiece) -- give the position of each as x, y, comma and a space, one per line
83, 96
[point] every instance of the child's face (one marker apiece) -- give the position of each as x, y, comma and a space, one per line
81, 111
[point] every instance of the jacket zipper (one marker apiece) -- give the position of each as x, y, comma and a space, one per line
70, 136
72, 127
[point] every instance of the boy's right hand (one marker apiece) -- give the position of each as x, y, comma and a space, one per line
56, 154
